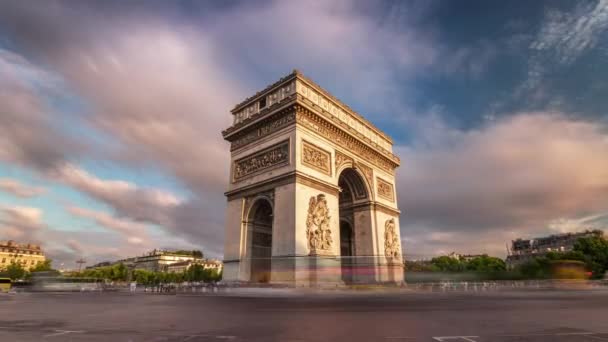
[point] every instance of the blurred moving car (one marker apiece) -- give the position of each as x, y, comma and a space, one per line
52, 281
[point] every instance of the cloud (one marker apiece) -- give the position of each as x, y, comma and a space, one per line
570, 34
561, 40
510, 178
133, 232
27, 134
22, 223
19, 189
155, 90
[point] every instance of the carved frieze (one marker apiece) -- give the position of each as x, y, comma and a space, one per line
316, 158
392, 251
276, 155
315, 123
318, 232
385, 189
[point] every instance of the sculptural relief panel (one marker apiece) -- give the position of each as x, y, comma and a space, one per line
385, 189
392, 249
274, 156
316, 158
318, 230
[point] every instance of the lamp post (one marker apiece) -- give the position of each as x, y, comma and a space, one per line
80, 262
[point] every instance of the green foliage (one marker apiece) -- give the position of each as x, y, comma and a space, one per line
15, 271
447, 264
486, 264
43, 266
118, 272
199, 273
195, 253
121, 273
537, 268
594, 251
418, 266
481, 264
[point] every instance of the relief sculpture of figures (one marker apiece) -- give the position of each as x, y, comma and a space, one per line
391, 241
317, 226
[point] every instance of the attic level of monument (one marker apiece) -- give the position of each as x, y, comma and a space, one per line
290, 100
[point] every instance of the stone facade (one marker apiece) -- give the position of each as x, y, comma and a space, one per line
311, 197
26, 254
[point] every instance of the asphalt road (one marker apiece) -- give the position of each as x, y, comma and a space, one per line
286, 316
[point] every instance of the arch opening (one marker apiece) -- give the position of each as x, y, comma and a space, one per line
260, 228
352, 191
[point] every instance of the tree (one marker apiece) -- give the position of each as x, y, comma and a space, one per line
447, 264
537, 268
595, 254
486, 264
43, 266
15, 271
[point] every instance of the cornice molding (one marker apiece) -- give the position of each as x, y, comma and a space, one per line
319, 125
287, 178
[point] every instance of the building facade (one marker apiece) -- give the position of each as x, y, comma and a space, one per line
183, 266
27, 255
523, 250
311, 196
156, 260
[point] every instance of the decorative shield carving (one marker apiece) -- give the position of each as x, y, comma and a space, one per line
391, 241
317, 226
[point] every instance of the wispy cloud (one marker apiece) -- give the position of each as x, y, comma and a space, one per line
134, 232
19, 222
567, 35
19, 189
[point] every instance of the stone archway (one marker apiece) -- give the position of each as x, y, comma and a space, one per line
328, 177
260, 227
355, 233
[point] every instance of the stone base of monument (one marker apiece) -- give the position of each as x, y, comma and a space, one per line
321, 271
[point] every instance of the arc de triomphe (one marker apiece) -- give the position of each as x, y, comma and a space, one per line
311, 196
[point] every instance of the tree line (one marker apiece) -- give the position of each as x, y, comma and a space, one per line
16, 271
589, 254
120, 272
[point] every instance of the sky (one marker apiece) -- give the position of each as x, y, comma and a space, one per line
111, 113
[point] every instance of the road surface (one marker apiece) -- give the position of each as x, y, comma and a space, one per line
555, 316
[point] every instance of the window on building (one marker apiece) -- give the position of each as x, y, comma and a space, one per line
262, 102
3, 260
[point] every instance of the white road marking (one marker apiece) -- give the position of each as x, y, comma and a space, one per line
193, 336
455, 338
64, 332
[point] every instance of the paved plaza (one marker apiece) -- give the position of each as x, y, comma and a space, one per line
286, 315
